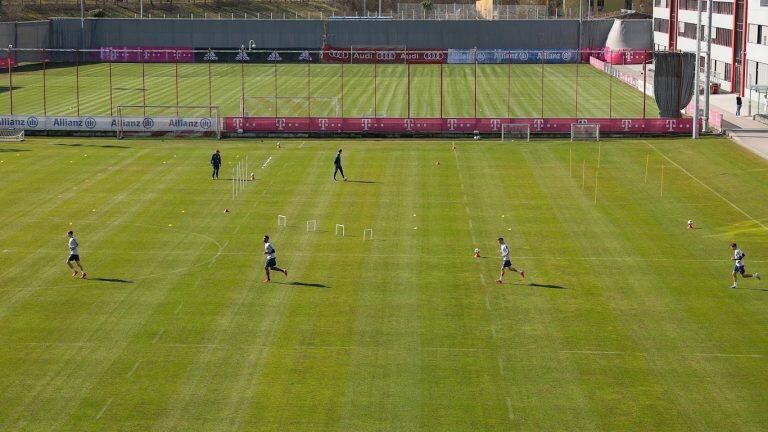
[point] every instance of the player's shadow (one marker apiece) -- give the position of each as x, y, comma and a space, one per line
753, 289
13, 150
92, 145
115, 280
362, 181
304, 284
538, 285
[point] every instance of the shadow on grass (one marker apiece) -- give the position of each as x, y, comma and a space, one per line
753, 289
362, 181
115, 280
303, 284
537, 285
13, 150
92, 145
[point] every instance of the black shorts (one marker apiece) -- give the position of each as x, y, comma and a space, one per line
271, 262
506, 263
73, 257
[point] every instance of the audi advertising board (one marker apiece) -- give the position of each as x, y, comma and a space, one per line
331, 54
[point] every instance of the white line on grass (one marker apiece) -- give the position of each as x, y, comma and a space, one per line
160, 333
726, 355
104, 408
501, 366
178, 308
302, 144
213, 260
269, 159
598, 352
509, 408
726, 200
136, 366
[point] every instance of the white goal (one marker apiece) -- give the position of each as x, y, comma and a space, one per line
168, 120
585, 131
11, 135
515, 132
290, 106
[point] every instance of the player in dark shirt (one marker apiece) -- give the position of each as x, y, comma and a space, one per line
337, 167
215, 163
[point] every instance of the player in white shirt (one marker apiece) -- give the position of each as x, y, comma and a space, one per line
738, 268
505, 262
74, 255
271, 263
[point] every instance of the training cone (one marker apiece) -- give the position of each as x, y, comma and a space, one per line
253, 177
437, 163
226, 210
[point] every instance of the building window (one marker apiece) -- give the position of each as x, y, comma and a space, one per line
660, 3
661, 25
757, 73
757, 34
723, 8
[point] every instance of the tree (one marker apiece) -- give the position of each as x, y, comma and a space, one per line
427, 5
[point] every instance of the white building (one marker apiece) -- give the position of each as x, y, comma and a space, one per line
674, 25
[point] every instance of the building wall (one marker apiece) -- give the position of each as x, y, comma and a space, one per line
757, 47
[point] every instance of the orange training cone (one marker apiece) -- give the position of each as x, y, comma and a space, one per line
226, 210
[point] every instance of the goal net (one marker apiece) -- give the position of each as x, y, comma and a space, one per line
168, 120
290, 106
11, 135
515, 132
585, 131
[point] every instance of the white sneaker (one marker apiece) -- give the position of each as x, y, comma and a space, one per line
733, 286
757, 276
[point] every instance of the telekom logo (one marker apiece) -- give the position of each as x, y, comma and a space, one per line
495, 124
323, 123
581, 121
280, 123
538, 124
238, 122
625, 124
366, 122
671, 125
408, 124
452, 124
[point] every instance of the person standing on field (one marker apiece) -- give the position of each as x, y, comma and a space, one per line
738, 105
337, 166
74, 255
738, 267
215, 163
271, 261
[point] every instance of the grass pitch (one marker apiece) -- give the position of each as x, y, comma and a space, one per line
625, 321
381, 90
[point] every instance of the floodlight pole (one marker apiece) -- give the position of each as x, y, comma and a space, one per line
708, 65
82, 23
697, 76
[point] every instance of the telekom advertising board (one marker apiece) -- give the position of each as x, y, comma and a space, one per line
448, 125
146, 54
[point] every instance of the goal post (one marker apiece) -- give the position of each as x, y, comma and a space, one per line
585, 132
168, 120
290, 106
7, 135
515, 132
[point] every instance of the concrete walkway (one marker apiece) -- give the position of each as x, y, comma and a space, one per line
744, 131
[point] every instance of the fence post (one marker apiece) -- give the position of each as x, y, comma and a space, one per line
509, 89
274, 73
242, 87
645, 74
610, 92
309, 87
542, 83
408, 65
578, 60
77, 75
441, 90
10, 77
210, 86
109, 63
176, 71
342, 88
45, 103
374, 87
143, 82
474, 84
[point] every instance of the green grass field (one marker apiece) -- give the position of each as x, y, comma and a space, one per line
625, 321
502, 90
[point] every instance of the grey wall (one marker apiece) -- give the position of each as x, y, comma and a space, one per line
308, 34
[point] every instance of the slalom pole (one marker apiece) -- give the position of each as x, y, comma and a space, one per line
583, 173
596, 174
233, 183
570, 160
662, 181
599, 151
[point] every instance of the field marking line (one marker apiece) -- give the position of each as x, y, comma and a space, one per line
104, 408
726, 200
501, 366
509, 408
598, 352
213, 260
464, 196
726, 355
136, 366
160, 333
176, 312
302, 144
269, 159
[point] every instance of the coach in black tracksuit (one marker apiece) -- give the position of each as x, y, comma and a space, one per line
215, 163
337, 167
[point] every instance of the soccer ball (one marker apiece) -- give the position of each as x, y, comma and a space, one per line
477, 250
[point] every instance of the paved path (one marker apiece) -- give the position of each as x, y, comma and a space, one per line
746, 132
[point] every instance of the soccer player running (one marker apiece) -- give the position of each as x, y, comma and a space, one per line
74, 255
271, 263
337, 167
505, 262
738, 268
215, 163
